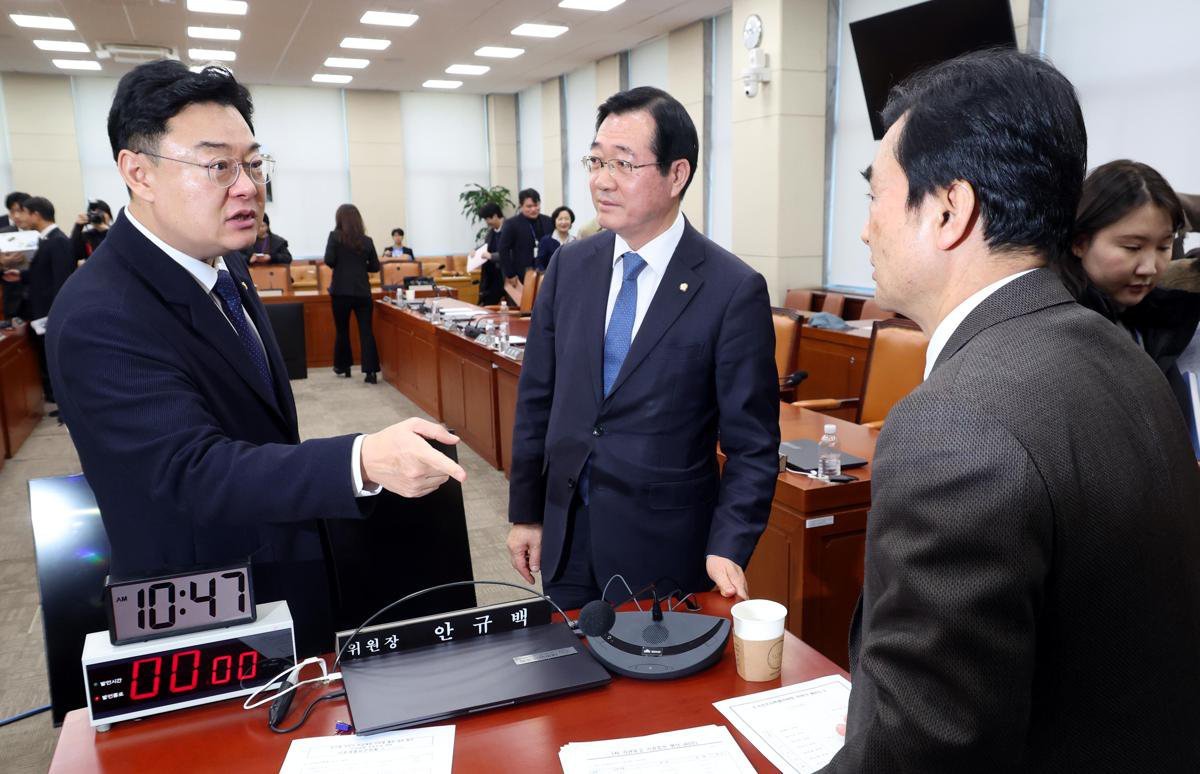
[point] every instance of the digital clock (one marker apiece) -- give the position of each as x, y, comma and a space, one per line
124, 682
173, 604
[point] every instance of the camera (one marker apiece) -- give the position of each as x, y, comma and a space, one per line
95, 217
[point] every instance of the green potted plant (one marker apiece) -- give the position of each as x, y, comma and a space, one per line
476, 196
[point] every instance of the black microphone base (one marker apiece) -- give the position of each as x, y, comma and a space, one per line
682, 644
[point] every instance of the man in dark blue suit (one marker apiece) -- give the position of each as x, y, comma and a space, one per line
648, 342
170, 380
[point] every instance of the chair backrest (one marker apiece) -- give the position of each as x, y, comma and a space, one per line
304, 276
799, 299
529, 292
394, 272
457, 263
272, 277
895, 367
834, 303
433, 267
787, 328
324, 277
872, 311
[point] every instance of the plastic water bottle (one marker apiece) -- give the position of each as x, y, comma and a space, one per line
829, 456
504, 306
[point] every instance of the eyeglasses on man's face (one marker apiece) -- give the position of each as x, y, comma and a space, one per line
224, 172
615, 166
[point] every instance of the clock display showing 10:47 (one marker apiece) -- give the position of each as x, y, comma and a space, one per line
170, 605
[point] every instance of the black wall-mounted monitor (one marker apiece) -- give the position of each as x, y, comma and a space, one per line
892, 46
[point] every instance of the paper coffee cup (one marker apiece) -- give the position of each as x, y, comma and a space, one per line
758, 639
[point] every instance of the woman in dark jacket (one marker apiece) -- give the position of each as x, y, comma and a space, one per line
351, 255
1125, 226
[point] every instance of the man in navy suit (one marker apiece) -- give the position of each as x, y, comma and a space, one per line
648, 342
171, 382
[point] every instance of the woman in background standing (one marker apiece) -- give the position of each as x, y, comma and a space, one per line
351, 255
563, 218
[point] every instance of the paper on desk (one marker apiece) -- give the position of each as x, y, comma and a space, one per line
413, 751
701, 750
794, 727
39, 326
516, 340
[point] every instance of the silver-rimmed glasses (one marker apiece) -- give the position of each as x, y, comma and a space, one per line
225, 172
594, 163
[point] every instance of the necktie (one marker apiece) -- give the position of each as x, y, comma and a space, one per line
620, 325
227, 291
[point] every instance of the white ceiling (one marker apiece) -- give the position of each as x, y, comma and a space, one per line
284, 42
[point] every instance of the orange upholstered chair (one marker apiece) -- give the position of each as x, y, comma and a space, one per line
799, 299
895, 367
834, 303
872, 311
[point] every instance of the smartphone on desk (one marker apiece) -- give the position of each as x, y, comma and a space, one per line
844, 478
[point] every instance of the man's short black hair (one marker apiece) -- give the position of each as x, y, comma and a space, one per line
151, 94
1010, 125
16, 197
674, 133
529, 193
490, 210
40, 205
396, 231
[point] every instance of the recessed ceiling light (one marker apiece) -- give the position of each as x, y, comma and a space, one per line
367, 44
231, 7
388, 19
499, 52
539, 30
69, 46
590, 5
42, 22
212, 54
354, 64
461, 69
330, 78
214, 33
436, 84
76, 64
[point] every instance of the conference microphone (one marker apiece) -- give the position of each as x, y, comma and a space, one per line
656, 645
792, 379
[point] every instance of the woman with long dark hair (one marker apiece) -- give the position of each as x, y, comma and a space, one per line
351, 255
1125, 227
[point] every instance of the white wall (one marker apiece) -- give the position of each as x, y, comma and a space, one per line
445, 149
580, 131
720, 167
305, 130
648, 64
847, 258
93, 98
5, 154
1135, 68
532, 171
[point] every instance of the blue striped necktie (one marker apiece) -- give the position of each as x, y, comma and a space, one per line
620, 325
232, 302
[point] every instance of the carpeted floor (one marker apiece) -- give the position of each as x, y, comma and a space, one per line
327, 406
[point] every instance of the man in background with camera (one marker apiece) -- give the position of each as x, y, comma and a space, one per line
90, 229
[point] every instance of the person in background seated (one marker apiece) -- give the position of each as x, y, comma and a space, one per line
90, 229
268, 247
1127, 222
351, 255
563, 218
397, 251
491, 279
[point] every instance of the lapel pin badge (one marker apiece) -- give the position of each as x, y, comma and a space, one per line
244, 287
682, 287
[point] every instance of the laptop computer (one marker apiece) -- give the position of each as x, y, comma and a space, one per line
803, 454
440, 681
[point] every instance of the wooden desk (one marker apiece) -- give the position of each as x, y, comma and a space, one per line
525, 738
21, 400
318, 326
810, 557
835, 362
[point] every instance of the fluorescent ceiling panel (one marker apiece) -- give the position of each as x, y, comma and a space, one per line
353, 64
76, 64
330, 78
212, 54
467, 69
214, 33
230, 7
499, 52
366, 44
388, 19
42, 22
67, 46
436, 84
590, 5
539, 30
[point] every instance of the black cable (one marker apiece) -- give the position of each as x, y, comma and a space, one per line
23, 715
307, 711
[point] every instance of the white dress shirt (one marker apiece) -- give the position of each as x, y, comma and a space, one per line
46, 231
205, 274
657, 254
947, 327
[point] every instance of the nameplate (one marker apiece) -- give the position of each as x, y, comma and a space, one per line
513, 353
449, 627
821, 521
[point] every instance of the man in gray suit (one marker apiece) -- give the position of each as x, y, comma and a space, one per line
1031, 598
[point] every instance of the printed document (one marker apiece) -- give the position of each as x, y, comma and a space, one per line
413, 751
701, 750
794, 727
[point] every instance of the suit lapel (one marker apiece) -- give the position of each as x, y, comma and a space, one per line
258, 315
1035, 291
668, 303
176, 286
595, 307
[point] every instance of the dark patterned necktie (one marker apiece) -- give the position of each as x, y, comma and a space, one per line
227, 291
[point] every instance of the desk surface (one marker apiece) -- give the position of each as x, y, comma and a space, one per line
524, 738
